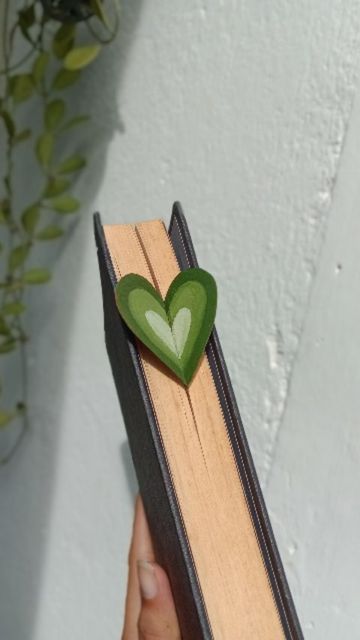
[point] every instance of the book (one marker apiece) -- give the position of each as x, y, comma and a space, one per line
206, 513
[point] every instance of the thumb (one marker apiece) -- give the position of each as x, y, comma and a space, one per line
158, 615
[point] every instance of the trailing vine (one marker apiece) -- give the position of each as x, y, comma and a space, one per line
53, 61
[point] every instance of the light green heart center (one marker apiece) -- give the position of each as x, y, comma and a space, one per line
174, 336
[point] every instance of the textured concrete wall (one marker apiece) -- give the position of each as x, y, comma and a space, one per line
246, 112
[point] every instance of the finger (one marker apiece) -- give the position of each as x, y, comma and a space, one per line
158, 617
143, 547
140, 547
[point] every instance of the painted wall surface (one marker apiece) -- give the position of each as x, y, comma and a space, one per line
247, 113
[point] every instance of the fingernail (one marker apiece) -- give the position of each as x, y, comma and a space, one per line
147, 579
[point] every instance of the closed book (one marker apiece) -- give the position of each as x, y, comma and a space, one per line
206, 513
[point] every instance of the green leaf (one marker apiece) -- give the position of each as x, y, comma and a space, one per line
4, 329
13, 308
8, 122
5, 416
37, 276
64, 78
72, 164
30, 218
56, 186
18, 256
74, 122
4, 211
39, 67
26, 18
51, 232
176, 329
7, 345
65, 204
44, 148
81, 57
54, 113
22, 135
63, 40
21, 87
98, 10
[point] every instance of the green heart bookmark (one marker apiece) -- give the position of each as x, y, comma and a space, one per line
176, 329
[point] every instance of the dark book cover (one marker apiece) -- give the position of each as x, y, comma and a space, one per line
171, 545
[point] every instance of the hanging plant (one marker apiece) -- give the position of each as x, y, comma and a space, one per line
52, 32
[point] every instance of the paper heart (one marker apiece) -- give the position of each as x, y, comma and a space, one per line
175, 329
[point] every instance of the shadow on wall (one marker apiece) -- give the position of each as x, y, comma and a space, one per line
128, 466
27, 483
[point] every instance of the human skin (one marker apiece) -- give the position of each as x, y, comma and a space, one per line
149, 607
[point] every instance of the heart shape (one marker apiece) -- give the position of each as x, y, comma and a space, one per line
175, 329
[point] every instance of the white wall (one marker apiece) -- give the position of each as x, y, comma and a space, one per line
246, 113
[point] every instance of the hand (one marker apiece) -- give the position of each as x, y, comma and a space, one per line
149, 608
